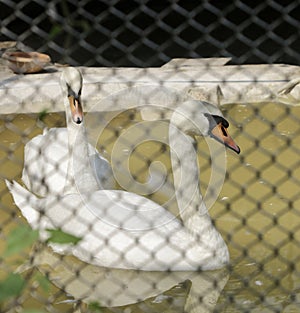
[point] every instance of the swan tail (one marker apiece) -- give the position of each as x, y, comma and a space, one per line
31, 155
26, 201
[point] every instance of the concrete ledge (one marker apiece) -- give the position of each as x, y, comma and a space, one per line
196, 78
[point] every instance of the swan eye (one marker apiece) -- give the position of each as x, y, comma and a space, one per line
71, 93
216, 119
221, 120
225, 123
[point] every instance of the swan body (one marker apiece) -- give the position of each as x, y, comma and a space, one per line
120, 229
46, 158
146, 237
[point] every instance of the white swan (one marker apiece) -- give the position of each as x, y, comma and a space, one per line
46, 156
124, 230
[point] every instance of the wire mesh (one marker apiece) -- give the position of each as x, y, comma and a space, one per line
150, 33
110, 214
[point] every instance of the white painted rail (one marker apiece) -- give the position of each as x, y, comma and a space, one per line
198, 78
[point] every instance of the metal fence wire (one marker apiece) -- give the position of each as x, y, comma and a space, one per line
152, 165
149, 33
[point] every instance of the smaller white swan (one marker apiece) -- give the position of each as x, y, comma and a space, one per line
46, 156
124, 230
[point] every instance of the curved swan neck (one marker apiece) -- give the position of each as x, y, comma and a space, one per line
186, 175
80, 176
189, 117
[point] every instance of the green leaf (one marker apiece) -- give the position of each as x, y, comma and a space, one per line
33, 311
12, 286
95, 307
59, 236
19, 239
54, 31
42, 114
43, 281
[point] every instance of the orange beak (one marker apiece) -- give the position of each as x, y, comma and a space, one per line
76, 110
220, 133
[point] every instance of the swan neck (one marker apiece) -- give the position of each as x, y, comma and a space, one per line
192, 208
80, 176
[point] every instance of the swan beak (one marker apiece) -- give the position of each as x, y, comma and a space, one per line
76, 109
220, 133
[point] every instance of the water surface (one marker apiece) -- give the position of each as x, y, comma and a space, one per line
257, 213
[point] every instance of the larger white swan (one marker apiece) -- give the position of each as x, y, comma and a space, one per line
124, 230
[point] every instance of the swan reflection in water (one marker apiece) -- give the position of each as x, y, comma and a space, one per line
140, 291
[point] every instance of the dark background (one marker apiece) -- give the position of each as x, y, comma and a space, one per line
150, 33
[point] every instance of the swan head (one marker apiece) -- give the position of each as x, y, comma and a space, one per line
205, 120
71, 85
218, 129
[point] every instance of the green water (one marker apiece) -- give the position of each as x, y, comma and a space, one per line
257, 213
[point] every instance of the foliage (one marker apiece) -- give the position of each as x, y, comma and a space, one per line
33, 311
42, 114
11, 286
95, 307
59, 236
19, 240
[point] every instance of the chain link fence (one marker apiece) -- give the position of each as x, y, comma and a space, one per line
177, 190
150, 33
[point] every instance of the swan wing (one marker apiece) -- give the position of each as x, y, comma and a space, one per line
102, 169
46, 162
126, 210
135, 238
46, 159
117, 229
